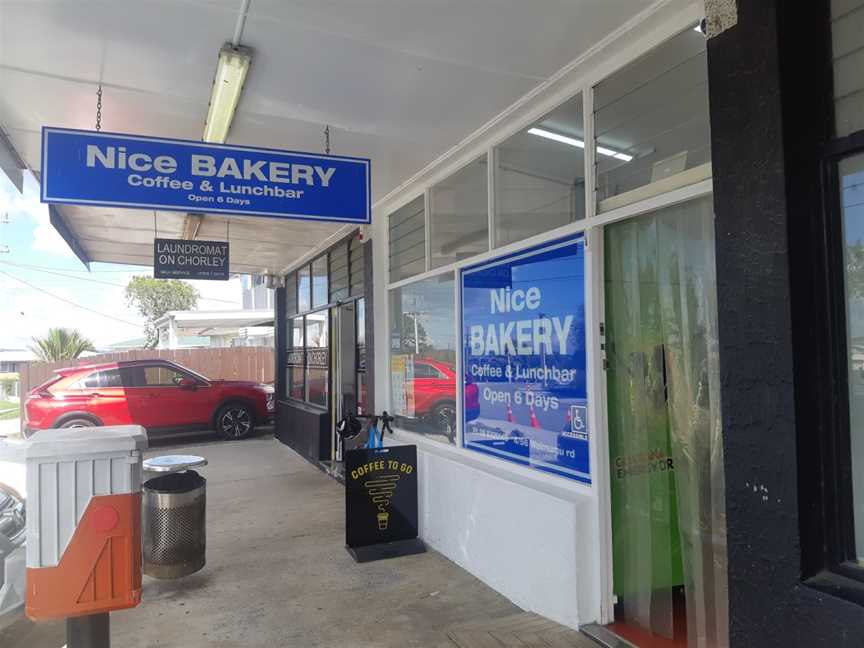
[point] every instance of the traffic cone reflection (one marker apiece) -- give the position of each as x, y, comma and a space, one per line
534, 422
510, 418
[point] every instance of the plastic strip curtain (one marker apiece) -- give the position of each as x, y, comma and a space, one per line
668, 513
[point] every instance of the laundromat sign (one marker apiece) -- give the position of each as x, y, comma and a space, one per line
132, 171
181, 259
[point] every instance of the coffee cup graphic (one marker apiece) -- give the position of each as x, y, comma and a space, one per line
381, 491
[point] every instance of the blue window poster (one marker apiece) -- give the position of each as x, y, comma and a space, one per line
523, 353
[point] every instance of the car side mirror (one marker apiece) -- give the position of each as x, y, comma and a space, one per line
188, 383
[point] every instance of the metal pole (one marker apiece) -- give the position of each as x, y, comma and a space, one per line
91, 631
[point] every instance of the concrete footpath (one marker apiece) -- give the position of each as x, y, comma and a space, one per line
278, 575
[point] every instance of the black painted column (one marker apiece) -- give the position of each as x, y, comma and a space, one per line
768, 120
754, 318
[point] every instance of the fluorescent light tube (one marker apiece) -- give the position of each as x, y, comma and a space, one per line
572, 141
228, 83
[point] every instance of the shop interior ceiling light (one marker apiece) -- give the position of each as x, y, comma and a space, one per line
227, 86
572, 141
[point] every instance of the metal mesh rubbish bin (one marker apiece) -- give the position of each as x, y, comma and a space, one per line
174, 535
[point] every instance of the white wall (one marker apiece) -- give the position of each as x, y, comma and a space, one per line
531, 537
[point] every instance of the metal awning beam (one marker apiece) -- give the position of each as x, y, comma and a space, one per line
63, 229
11, 163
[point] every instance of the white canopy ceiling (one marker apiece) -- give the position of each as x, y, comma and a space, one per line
399, 82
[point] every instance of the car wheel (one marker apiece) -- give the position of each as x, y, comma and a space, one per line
443, 418
78, 423
235, 421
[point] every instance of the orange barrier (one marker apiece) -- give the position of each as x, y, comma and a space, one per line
100, 570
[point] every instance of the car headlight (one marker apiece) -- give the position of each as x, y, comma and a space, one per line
271, 401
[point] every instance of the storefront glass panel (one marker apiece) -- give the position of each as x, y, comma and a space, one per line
304, 288
408, 240
852, 205
666, 456
338, 276
360, 361
295, 353
651, 124
423, 357
540, 176
319, 282
459, 215
290, 295
317, 357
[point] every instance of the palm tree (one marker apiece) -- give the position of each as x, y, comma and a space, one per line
61, 344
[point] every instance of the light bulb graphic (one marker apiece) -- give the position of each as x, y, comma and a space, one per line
381, 491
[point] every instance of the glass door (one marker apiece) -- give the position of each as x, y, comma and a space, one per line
345, 367
666, 462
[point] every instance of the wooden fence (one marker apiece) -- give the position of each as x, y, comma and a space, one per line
230, 363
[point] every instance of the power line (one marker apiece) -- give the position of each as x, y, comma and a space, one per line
36, 267
68, 301
25, 266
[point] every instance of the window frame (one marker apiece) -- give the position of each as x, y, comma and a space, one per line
829, 560
591, 225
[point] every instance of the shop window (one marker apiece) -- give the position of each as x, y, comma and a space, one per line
408, 240
319, 282
423, 357
851, 180
459, 215
304, 289
317, 357
291, 294
651, 124
847, 29
339, 272
356, 265
540, 176
295, 376
827, 288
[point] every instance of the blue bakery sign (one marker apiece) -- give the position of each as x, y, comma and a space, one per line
523, 352
113, 170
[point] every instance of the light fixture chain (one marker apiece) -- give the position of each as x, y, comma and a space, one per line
327, 139
99, 108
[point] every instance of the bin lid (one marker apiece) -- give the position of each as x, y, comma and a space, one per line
173, 463
83, 442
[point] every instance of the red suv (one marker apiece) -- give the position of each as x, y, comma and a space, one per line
157, 394
435, 393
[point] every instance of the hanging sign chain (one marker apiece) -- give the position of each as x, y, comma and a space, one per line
327, 139
99, 108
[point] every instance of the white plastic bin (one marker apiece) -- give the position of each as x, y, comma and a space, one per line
83, 520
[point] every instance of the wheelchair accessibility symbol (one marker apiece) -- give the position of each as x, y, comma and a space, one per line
579, 422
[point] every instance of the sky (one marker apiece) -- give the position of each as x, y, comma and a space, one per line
44, 285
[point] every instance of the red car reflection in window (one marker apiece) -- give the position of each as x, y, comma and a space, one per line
435, 393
